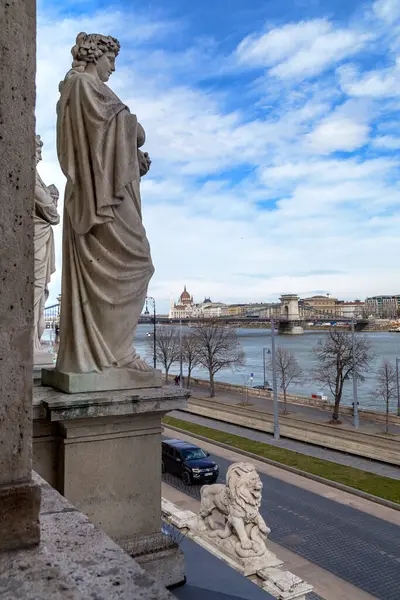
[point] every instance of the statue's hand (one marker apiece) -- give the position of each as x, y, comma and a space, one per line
144, 162
148, 160
54, 190
54, 193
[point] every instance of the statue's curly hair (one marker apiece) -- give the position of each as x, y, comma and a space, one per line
89, 47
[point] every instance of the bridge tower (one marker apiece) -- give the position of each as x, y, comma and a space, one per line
289, 321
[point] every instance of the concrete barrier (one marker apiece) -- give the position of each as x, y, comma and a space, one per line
377, 447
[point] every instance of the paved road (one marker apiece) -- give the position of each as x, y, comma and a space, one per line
351, 544
340, 458
296, 410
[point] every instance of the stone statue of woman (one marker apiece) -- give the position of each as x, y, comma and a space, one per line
45, 216
107, 264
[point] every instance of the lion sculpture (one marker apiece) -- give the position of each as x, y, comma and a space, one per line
231, 511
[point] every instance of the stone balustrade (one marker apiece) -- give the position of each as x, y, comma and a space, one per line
75, 560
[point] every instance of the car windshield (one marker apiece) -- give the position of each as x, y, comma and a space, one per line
193, 454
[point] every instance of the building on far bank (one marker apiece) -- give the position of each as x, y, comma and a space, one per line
235, 310
350, 309
186, 308
324, 305
183, 309
211, 310
382, 307
263, 309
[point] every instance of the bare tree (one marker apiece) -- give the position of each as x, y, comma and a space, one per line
218, 349
190, 352
334, 354
386, 385
167, 347
288, 371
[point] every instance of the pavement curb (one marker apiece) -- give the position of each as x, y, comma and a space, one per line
274, 463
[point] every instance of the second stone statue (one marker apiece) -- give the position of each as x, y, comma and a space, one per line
106, 264
45, 216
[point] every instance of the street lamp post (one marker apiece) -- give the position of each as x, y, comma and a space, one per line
146, 312
264, 366
355, 394
397, 383
265, 352
180, 356
274, 383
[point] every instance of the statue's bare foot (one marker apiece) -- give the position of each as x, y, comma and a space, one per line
140, 365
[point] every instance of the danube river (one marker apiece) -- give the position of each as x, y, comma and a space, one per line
383, 345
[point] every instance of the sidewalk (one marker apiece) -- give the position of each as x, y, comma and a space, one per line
296, 411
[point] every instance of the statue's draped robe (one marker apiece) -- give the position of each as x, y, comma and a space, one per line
45, 216
106, 256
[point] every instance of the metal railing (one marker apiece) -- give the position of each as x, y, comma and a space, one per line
52, 315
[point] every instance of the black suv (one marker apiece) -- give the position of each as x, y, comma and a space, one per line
188, 461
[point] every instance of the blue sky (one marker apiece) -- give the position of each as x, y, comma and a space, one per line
274, 133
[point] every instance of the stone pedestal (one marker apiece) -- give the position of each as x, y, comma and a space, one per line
109, 380
43, 359
102, 451
223, 549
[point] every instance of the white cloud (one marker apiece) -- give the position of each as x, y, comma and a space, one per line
387, 142
240, 234
374, 84
387, 10
338, 132
302, 49
326, 171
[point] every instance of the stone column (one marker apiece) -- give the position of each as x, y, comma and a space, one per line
19, 497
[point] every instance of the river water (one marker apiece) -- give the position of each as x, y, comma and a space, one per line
383, 345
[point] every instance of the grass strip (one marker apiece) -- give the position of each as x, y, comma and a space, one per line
377, 485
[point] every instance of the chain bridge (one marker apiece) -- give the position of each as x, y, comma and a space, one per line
289, 318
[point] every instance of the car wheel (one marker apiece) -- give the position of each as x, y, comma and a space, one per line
214, 480
187, 480
162, 467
